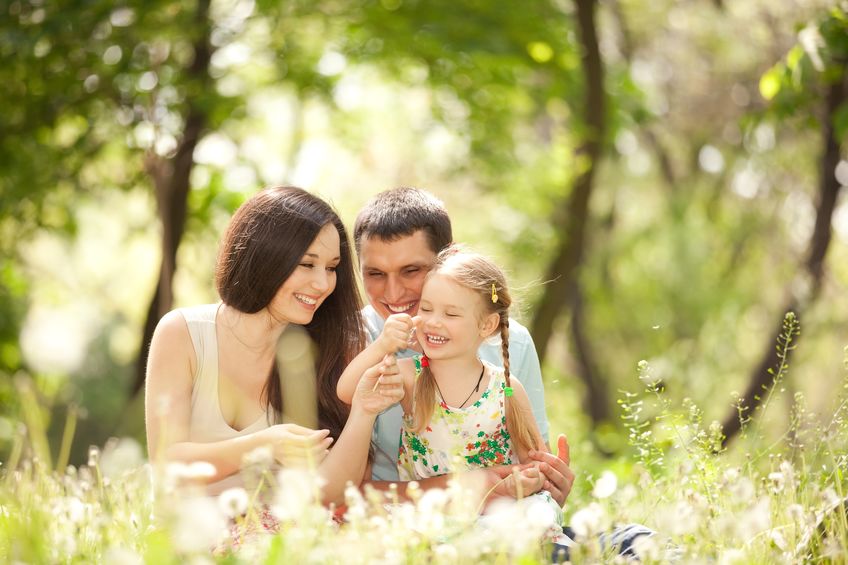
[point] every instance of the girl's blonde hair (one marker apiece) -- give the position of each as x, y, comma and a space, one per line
478, 274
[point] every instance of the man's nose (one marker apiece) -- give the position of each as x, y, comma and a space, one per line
394, 288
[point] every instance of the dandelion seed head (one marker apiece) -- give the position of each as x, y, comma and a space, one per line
796, 512
199, 525
732, 557
588, 521
743, 490
646, 548
778, 539
121, 456
233, 502
262, 456
605, 486
776, 482
122, 556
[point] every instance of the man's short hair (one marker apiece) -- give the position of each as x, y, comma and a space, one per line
400, 212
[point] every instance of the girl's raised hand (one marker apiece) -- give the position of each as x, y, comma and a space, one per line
396, 333
380, 387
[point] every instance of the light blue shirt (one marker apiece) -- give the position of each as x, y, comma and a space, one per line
523, 363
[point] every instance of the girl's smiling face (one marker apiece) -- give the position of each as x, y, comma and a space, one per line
453, 322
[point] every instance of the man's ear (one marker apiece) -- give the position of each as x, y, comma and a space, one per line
490, 324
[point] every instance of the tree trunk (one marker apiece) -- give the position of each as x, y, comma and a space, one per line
761, 380
171, 182
573, 213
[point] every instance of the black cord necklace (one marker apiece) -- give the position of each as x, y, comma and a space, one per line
476, 387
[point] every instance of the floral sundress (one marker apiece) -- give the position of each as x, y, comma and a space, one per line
458, 438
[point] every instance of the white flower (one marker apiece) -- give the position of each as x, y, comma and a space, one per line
731, 475
743, 490
778, 540
732, 557
605, 485
588, 521
297, 492
200, 470
262, 456
788, 473
120, 456
646, 548
122, 556
796, 512
199, 525
233, 502
776, 482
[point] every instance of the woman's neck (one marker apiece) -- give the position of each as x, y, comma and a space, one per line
258, 332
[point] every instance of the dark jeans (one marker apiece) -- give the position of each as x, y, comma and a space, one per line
621, 538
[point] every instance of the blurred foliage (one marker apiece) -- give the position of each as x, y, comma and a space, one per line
701, 211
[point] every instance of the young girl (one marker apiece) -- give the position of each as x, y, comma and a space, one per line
457, 409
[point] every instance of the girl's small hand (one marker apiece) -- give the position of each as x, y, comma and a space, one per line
396, 333
524, 482
380, 387
296, 446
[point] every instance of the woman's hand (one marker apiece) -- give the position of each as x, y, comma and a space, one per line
296, 446
380, 387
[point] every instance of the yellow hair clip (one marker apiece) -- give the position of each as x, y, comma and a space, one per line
494, 294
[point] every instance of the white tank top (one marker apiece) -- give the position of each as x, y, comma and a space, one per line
207, 422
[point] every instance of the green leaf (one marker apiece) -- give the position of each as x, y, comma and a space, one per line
770, 82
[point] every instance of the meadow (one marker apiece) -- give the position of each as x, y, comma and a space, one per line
777, 494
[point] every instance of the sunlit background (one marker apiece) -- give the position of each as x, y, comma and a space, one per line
703, 199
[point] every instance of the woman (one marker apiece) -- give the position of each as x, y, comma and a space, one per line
213, 390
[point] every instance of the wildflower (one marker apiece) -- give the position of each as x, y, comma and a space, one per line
731, 475
776, 482
445, 553
732, 557
755, 519
233, 502
262, 456
200, 470
588, 521
122, 555
120, 456
796, 512
627, 494
605, 485
830, 498
743, 490
297, 491
199, 525
778, 540
646, 548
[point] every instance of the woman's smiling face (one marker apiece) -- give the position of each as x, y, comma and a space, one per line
311, 282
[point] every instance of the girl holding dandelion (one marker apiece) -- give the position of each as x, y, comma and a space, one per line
459, 412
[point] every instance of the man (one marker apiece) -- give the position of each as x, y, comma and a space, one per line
397, 236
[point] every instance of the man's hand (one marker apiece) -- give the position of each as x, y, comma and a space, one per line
559, 477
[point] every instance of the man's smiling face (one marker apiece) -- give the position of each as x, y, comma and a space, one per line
393, 272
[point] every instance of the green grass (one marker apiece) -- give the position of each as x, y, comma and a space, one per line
777, 495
